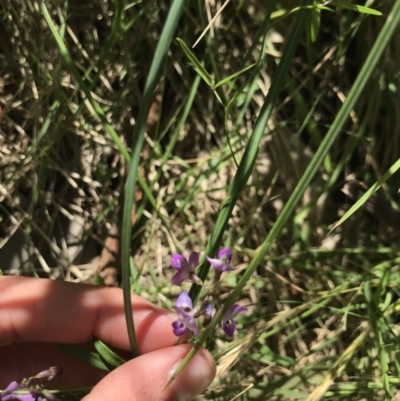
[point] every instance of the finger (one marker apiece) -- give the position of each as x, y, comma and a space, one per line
145, 378
56, 311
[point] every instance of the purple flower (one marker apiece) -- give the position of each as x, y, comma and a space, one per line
35, 386
222, 262
185, 268
9, 395
184, 309
49, 374
208, 309
228, 324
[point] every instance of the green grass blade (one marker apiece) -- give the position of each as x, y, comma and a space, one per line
315, 24
71, 65
109, 356
163, 45
355, 92
247, 163
368, 194
91, 358
355, 7
198, 67
236, 74
243, 174
334, 131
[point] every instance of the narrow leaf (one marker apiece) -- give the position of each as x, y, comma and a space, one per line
315, 23
198, 67
91, 358
109, 356
236, 74
354, 7
368, 194
242, 175
163, 45
362, 79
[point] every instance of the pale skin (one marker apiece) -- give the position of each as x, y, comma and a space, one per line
36, 314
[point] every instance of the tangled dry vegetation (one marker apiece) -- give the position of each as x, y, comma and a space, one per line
62, 175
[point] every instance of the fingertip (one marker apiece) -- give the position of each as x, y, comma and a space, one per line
146, 378
197, 375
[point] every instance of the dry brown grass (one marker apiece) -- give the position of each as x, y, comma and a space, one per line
61, 177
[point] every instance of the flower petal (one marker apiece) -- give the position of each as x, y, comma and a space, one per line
194, 259
228, 324
184, 301
18, 397
229, 327
178, 328
217, 263
208, 309
13, 386
220, 265
187, 320
180, 276
178, 261
225, 254
234, 310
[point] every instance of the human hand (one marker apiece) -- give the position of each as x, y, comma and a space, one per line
36, 314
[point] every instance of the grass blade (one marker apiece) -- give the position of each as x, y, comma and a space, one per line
241, 177
236, 74
355, 7
163, 45
71, 65
197, 66
109, 356
247, 163
91, 358
368, 194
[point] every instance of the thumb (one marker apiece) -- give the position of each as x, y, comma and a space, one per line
145, 378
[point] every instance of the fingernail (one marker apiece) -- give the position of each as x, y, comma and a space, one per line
195, 377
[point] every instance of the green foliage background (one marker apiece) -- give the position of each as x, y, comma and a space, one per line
276, 135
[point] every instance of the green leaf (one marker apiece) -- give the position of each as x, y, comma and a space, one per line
242, 175
98, 280
249, 157
91, 358
368, 194
198, 67
367, 292
153, 77
354, 7
247, 163
285, 13
315, 23
236, 74
109, 356
72, 67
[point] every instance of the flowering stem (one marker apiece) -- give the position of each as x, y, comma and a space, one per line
241, 177
249, 157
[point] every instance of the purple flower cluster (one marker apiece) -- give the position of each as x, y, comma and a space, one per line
185, 268
9, 393
184, 306
31, 389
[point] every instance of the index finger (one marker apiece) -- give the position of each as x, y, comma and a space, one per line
55, 311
